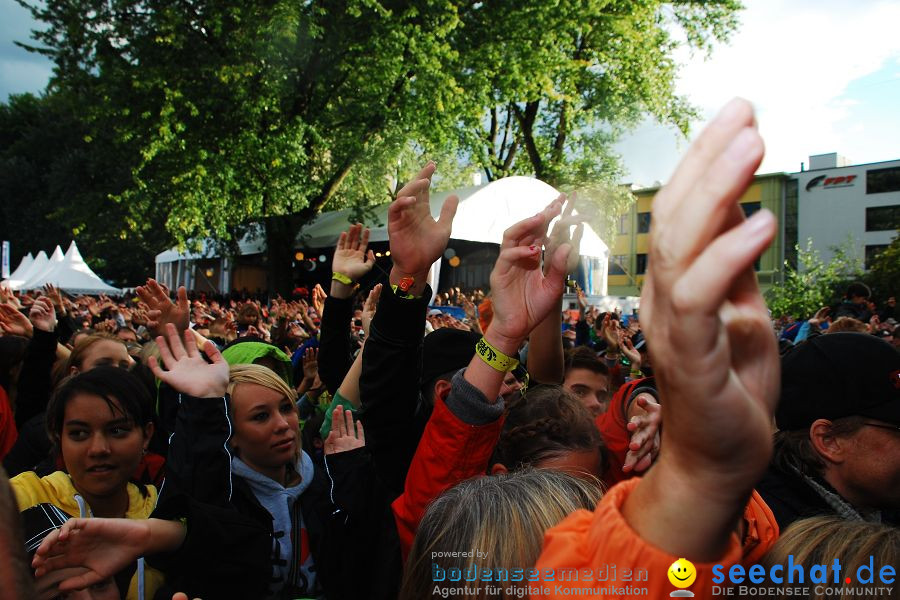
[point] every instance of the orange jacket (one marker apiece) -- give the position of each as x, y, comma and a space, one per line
612, 561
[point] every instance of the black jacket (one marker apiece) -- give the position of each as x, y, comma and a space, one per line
365, 541
335, 347
791, 498
228, 549
389, 386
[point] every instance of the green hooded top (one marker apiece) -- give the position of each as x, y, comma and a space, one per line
245, 353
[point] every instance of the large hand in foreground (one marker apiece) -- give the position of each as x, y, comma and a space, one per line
161, 308
701, 303
417, 240
186, 371
714, 356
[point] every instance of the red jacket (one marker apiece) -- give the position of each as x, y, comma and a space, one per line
449, 452
8, 431
612, 425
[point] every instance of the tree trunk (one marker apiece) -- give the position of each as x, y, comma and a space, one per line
281, 230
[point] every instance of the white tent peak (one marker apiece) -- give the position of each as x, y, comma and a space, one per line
38, 265
69, 273
16, 277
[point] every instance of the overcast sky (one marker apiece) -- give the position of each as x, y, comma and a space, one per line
823, 74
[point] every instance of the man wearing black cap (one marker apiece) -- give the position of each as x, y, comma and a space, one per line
837, 450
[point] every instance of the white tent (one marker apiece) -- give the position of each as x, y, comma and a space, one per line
38, 265
15, 278
71, 274
55, 260
484, 213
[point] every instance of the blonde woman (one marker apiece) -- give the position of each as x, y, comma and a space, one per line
821, 541
503, 517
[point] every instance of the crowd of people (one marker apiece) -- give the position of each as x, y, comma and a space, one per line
366, 443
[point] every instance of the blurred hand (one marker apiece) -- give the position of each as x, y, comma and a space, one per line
162, 310
43, 315
368, 311
562, 234
13, 322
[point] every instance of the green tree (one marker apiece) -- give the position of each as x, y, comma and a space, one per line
883, 275
814, 283
55, 188
563, 80
227, 112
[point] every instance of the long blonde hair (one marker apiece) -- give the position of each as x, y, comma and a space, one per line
504, 515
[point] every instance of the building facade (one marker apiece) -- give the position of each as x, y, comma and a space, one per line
629, 250
857, 206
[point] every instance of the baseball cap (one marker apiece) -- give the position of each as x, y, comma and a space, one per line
839, 375
446, 350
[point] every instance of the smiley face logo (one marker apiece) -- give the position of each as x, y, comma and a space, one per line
682, 573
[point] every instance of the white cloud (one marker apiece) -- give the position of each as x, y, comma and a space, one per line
794, 61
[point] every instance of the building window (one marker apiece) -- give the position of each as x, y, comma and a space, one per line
750, 207
622, 224
872, 252
880, 181
617, 264
883, 218
641, 264
643, 222
790, 223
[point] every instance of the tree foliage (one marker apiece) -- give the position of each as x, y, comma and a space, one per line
883, 275
814, 283
223, 112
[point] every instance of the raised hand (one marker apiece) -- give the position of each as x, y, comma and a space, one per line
522, 294
609, 329
161, 309
561, 233
186, 370
13, 322
628, 350
55, 295
644, 444
346, 434
714, 356
42, 314
350, 255
416, 239
318, 299
368, 311
310, 364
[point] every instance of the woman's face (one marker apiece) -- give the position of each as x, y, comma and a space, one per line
266, 429
100, 447
104, 353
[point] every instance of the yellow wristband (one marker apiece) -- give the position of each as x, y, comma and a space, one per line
340, 277
494, 357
